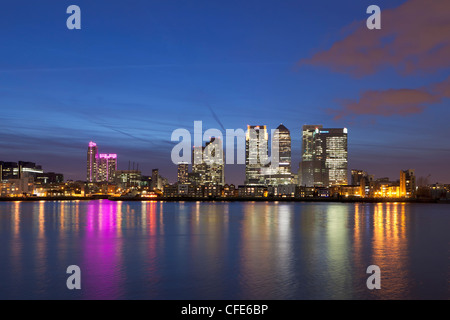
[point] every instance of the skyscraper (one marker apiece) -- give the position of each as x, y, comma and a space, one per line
183, 172
279, 172
215, 172
208, 166
312, 170
256, 154
106, 167
92, 155
324, 156
334, 142
198, 175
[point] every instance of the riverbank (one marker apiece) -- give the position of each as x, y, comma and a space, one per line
234, 199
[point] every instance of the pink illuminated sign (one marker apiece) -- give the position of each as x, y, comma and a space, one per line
107, 156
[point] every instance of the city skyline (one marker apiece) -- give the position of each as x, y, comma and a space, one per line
228, 63
102, 166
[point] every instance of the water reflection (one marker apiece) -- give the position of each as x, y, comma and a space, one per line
200, 250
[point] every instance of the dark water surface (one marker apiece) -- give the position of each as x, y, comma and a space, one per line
237, 250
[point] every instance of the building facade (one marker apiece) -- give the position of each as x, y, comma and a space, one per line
256, 154
92, 155
407, 183
183, 173
106, 167
324, 156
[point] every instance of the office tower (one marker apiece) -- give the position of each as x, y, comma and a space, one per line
407, 183
183, 170
213, 158
335, 156
256, 154
198, 175
283, 136
336, 160
324, 156
208, 166
92, 155
106, 167
279, 173
312, 170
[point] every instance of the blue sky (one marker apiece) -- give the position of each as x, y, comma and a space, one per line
137, 70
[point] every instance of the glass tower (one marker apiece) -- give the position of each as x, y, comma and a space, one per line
324, 156
92, 155
256, 154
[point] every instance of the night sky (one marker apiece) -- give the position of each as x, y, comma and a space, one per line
137, 70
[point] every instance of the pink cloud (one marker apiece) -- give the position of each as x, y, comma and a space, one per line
414, 37
392, 102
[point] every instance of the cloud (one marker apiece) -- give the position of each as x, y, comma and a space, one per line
391, 102
414, 38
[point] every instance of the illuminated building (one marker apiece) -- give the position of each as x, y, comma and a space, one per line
229, 190
92, 155
158, 182
357, 176
127, 179
17, 187
9, 170
324, 156
213, 158
407, 183
183, 171
256, 154
198, 175
29, 169
334, 142
18, 170
279, 174
106, 167
208, 166
49, 178
312, 170
252, 191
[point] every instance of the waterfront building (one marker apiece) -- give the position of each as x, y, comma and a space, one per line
407, 183
324, 156
18, 170
279, 172
92, 155
128, 179
106, 167
256, 155
208, 166
183, 173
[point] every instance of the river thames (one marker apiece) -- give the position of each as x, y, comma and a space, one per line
221, 250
